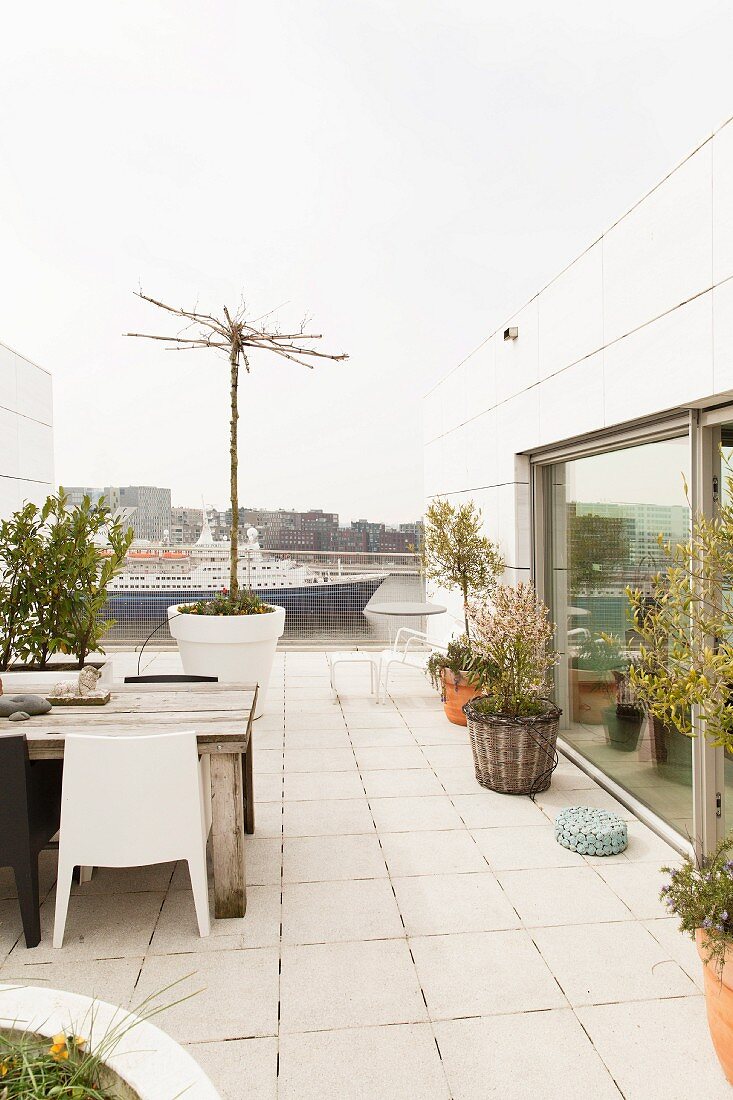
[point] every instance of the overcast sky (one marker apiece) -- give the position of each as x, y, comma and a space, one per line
407, 173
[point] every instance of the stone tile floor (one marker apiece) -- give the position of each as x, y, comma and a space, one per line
409, 936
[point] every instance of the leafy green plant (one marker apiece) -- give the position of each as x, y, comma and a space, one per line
455, 660
457, 555
700, 893
223, 603
685, 626
602, 653
511, 656
55, 565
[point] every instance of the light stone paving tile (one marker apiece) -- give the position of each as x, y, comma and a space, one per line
440, 735
440, 904
482, 974
127, 880
545, 1055
575, 780
267, 760
269, 787
338, 985
373, 1063
318, 739
269, 739
448, 756
379, 718
552, 801
382, 738
458, 780
422, 718
678, 945
401, 782
303, 720
657, 1050
335, 817
522, 847
381, 759
262, 859
332, 858
326, 912
268, 819
562, 895
240, 1068
319, 760
98, 926
638, 886
111, 980
646, 847
47, 862
310, 786
602, 963
414, 814
487, 809
177, 928
431, 853
237, 993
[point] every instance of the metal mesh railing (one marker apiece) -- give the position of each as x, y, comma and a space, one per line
326, 594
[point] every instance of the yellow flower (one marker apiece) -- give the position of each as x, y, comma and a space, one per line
63, 1046
3, 1069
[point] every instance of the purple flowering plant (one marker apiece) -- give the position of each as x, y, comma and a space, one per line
700, 893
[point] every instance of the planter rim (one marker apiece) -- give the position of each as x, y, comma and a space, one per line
550, 714
146, 1059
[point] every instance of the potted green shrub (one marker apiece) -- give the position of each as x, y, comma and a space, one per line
235, 638
700, 893
56, 562
592, 681
683, 678
512, 725
456, 555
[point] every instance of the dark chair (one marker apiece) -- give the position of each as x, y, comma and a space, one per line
30, 812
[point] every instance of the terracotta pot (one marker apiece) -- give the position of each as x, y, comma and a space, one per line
719, 1004
455, 694
590, 693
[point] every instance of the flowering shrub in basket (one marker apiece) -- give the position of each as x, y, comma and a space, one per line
512, 725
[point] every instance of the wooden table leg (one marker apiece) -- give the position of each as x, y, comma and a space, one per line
249, 792
228, 828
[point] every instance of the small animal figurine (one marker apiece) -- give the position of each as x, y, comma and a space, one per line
88, 680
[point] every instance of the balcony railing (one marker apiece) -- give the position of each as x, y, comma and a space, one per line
326, 594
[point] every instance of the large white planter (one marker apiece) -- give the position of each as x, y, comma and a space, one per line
238, 649
147, 1062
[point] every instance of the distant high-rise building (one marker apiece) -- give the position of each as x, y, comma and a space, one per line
76, 494
151, 517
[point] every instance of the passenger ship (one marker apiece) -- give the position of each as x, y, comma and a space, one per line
156, 576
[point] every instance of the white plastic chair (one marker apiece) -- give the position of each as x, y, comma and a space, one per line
132, 801
403, 652
355, 657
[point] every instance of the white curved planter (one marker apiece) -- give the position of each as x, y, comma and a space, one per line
239, 649
146, 1059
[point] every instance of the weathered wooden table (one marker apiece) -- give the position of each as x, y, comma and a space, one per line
221, 715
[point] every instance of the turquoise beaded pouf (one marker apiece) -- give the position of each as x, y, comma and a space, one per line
591, 832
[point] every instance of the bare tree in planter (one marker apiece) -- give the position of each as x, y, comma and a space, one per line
235, 336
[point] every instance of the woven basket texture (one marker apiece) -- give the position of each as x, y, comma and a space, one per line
513, 755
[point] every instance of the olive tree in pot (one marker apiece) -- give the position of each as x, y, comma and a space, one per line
234, 635
513, 725
456, 555
683, 678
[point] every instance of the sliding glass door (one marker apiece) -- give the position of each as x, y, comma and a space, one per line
603, 518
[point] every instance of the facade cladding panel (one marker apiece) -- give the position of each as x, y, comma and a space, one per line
26, 432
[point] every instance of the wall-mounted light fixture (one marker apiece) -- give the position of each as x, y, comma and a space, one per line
511, 333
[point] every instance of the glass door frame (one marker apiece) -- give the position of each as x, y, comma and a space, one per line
703, 431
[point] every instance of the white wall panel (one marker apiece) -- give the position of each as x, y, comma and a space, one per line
9, 460
9, 497
517, 429
34, 391
570, 313
571, 403
723, 338
663, 365
480, 437
480, 392
432, 409
723, 204
35, 450
660, 253
517, 360
8, 381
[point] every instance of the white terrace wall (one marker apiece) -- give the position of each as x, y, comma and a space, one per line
640, 323
26, 432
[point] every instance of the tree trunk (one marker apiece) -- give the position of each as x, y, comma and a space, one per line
233, 464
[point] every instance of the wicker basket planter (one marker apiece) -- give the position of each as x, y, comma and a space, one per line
513, 755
